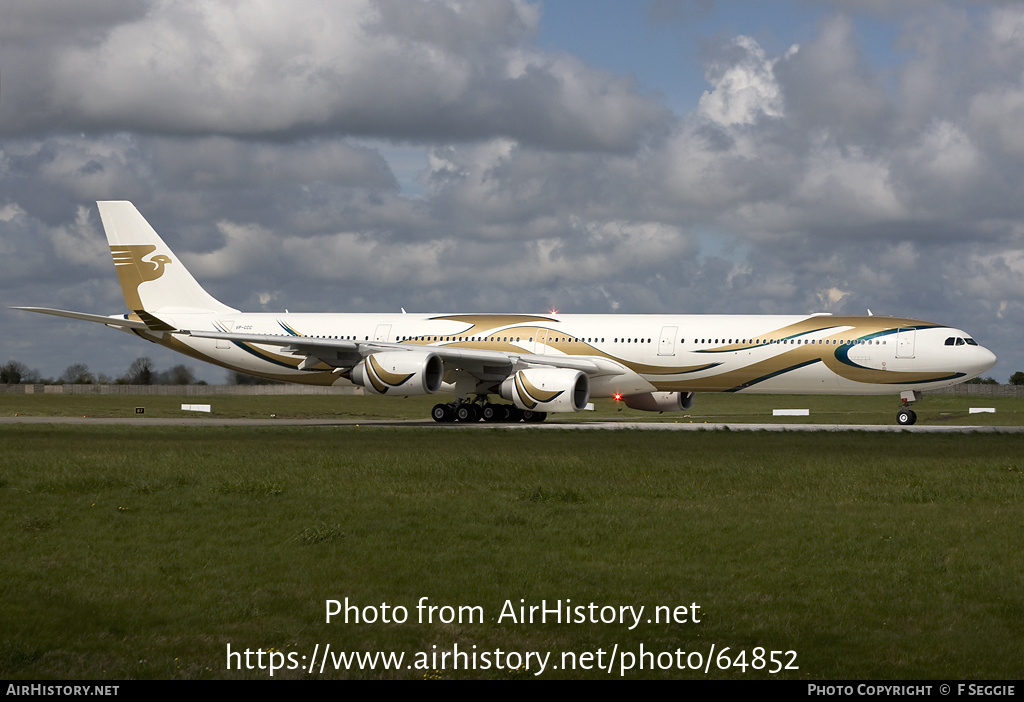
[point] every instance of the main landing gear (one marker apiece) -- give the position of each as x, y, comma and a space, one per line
907, 416
470, 412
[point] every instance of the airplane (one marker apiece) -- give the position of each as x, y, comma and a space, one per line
537, 363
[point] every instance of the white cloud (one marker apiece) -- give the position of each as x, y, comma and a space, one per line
827, 85
830, 297
743, 90
946, 154
851, 186
408, 70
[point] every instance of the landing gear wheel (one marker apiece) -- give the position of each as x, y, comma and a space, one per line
443, 414
532, 417
467, 413
906, 417
493, 413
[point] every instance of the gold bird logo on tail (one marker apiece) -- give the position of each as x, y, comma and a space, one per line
133, 269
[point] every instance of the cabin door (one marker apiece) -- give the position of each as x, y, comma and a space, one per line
905, 343
542, 339
382, 333
667, 344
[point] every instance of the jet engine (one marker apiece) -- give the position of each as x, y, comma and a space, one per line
660, 401
548, 390
401, 373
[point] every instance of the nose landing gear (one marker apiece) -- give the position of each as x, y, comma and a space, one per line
907, 416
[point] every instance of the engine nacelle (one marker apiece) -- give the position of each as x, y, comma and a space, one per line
660, 401
548, 390
402, 373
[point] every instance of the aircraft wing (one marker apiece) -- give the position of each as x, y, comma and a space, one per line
480, 362
119, 321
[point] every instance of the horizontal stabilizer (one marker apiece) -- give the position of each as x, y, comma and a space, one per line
115, 321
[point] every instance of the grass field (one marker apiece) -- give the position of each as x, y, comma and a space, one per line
143, 552
713, 408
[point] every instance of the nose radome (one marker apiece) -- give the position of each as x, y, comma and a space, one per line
987, 360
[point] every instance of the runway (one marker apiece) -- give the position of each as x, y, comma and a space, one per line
547, 426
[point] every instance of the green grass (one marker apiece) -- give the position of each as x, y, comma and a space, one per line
711, 407
140, 552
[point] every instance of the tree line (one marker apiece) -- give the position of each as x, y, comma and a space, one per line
1015, 379
142, 371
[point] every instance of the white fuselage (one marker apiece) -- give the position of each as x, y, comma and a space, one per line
641, 353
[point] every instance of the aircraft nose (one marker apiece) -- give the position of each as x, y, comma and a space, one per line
985, 359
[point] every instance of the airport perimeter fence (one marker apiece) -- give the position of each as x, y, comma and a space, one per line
172, 390
975, 390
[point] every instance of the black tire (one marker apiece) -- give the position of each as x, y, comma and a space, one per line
442, 414
906, 417
467, 413
532, 417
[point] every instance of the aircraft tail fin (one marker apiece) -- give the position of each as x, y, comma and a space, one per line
152, 277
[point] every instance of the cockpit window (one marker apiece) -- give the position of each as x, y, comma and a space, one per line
950, 341
971, 342
959, 342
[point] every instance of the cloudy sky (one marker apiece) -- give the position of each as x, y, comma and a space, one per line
726, 156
